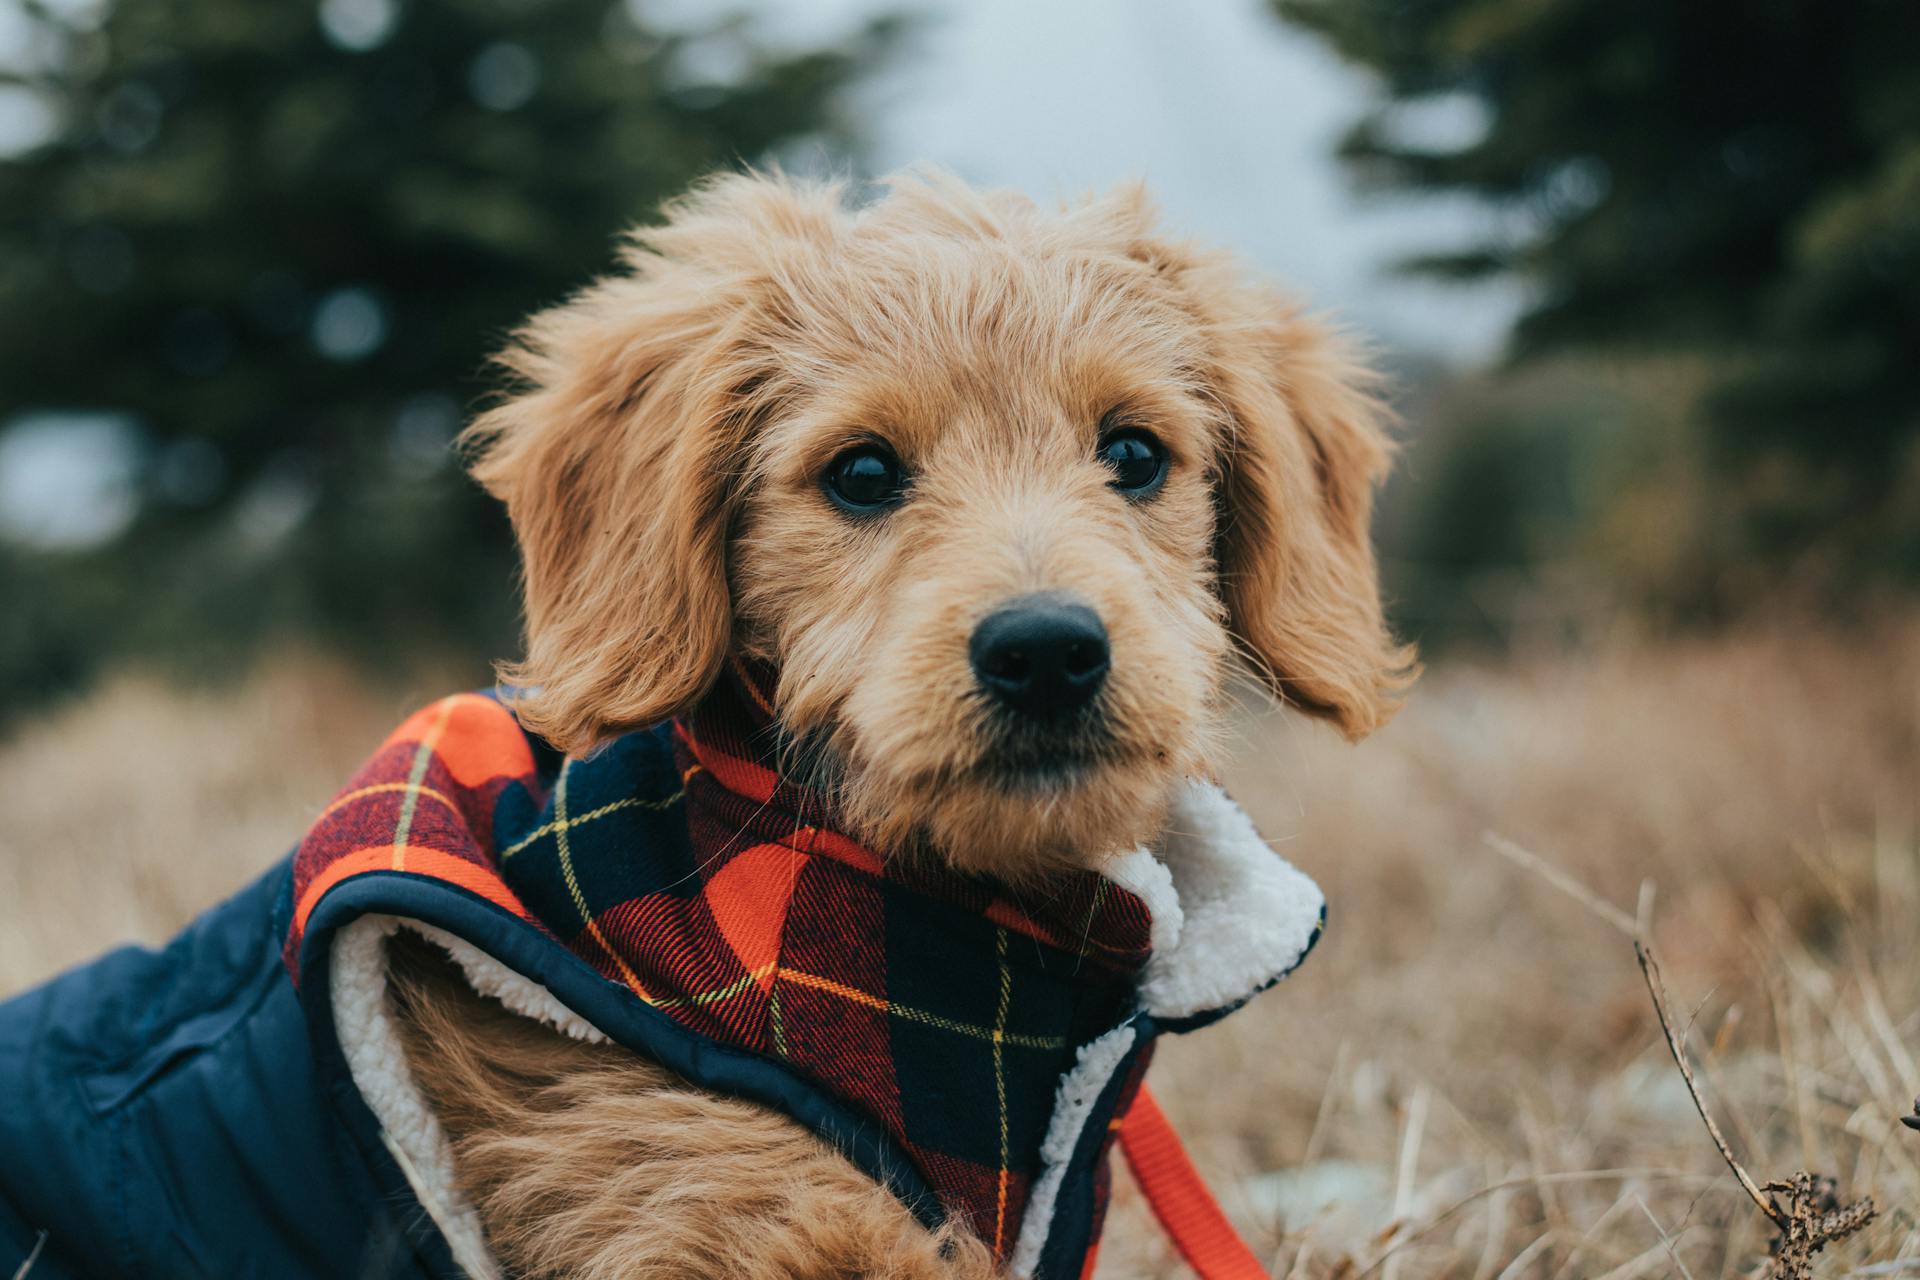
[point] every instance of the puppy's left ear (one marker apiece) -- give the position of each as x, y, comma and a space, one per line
1306, 448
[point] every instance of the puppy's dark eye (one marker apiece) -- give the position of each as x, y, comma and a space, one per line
865, 479
1137, 459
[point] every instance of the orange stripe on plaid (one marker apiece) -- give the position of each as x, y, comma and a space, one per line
423, 861
840, 989
753, 690
483, 742
757, 783
742, 777
833, 845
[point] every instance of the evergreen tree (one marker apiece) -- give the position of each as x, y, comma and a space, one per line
279, 240
1736, 180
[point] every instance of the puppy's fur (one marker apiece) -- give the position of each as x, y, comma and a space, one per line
587, 1162
661, 459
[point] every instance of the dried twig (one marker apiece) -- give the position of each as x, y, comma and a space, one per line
1529, 860
1813, 1216
1658, 990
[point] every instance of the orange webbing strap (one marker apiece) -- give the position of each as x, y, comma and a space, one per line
1178, 1197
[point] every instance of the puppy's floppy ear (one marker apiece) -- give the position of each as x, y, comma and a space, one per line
618, 456
1306, 446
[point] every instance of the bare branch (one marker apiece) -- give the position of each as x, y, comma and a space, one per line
1657, 988
1560, 880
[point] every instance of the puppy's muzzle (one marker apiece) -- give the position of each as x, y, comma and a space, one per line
1041, 657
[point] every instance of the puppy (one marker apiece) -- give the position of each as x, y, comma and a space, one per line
1000, 495
819, 912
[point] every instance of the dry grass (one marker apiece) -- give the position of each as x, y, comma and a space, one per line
1467, 1079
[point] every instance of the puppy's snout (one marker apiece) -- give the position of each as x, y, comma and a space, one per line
1041, 656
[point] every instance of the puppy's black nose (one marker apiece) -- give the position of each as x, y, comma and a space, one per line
1040, 656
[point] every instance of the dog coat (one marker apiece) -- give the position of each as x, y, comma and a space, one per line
239, 1103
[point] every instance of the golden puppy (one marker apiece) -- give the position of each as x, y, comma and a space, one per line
1000, 492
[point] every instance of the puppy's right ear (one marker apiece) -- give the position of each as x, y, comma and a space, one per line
617, 457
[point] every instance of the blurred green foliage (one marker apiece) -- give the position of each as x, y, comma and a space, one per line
278, 241
1731, 183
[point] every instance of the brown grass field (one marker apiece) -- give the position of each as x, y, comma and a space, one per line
1467, 1078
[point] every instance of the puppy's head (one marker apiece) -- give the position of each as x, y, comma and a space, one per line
1000, 492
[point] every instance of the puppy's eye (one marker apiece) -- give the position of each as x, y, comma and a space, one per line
865, 479
1137, 459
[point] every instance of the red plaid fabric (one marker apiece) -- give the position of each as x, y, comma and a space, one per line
942, 1007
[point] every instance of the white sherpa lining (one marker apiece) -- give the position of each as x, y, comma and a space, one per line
363, 1021
1228, 917
1248, 915
1080, 1088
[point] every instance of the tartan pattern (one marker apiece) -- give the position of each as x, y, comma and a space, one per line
943, 1007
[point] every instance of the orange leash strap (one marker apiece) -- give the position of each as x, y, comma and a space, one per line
1186, 1209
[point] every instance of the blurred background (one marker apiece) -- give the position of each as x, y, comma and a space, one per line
1646, 275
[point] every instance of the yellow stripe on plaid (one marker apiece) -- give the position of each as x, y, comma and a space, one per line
558, 826
997, 1035
422, 757
775, 1023
778, 972
379, 788
717, 994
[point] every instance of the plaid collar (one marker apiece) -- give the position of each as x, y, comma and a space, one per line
940, 1011
672, 892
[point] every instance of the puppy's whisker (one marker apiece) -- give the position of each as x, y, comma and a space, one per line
726, 849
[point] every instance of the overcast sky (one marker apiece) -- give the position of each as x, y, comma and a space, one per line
1230, 116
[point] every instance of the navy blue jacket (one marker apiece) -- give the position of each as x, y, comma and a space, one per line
165, 1113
